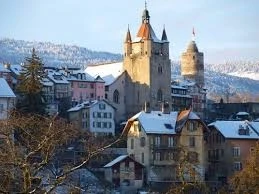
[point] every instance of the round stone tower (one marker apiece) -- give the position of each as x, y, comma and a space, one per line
192, 64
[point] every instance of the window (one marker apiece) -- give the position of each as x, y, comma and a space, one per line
102, 106
157, 141
105, 115
252, 151
159, 69
116, 97
142, 158
110, 115
99, 115
170, 141
192, 141
237, 166
191, 126
99, 124
132, 143
159, 95
142, 141
157, 156
236, 151
104, 125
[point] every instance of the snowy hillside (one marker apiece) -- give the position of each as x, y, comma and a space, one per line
14, 52
236, 87
230, 79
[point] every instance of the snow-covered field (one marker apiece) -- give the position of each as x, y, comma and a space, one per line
250, 75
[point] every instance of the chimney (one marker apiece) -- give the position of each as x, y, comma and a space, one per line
165, 108
147, 107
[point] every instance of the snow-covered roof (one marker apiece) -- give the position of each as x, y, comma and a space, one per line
108, 72
47, 82
181, 95
230, 129
5, 90
82, 105
242, 114
178, 87
255, 125
16, 69
115, 161
57, 77
81, 76
3, 69
193, 116
157, 122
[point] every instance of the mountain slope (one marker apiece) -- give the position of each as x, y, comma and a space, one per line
14, 52
222, 80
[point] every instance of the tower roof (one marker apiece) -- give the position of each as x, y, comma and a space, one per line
192, 47
146, 31
164, 36
128, 36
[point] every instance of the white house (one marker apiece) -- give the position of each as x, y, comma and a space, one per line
7, 99
95, 116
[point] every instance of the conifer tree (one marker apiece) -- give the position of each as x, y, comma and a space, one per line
30, 86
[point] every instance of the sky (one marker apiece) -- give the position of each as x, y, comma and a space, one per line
225, 30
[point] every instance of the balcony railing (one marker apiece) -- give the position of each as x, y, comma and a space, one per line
163, 146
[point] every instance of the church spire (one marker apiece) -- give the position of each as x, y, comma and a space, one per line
145, 15
128, 36
164, 36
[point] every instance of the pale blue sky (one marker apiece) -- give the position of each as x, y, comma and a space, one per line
225, 29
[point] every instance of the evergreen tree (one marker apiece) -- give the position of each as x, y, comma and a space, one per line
30, 86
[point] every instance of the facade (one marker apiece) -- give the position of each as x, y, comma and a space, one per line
186, 94
224, 111
181, 100
229, 145
125, 172
85, 87
192, 64
7, 99
94, 116
161, 139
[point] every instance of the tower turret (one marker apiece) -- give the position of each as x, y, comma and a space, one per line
192, 63
128, 44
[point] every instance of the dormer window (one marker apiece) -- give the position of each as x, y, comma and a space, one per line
243, 130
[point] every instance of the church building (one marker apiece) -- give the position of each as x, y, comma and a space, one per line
144, 76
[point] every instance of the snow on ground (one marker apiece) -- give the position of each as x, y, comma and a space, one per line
250, 75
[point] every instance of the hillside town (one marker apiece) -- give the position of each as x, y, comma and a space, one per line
155, 133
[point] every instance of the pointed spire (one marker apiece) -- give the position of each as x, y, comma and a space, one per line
164, 36
128, 36
145, 15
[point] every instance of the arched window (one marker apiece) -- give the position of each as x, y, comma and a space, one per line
159, 95
116, 96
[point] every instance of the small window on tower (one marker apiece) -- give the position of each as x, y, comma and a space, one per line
193, 57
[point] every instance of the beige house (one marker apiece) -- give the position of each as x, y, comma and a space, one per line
162, 140
125, 172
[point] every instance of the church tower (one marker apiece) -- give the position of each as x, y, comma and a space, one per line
192, 63
147, 66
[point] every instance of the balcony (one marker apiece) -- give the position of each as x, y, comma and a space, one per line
214, 159
163, 147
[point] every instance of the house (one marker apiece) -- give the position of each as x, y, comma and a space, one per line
95, 116
7, 99
161, 139
229, 145
6, 73
181, 100
124, 171
85, 87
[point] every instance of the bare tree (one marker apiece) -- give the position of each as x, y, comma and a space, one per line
29, 144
